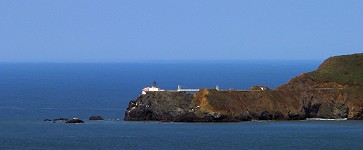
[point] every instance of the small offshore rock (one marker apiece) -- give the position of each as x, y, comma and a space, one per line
95, 118
75, 120
47, 120
60, 119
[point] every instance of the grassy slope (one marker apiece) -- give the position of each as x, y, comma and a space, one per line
345, 70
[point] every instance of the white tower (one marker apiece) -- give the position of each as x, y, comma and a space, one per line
217, 87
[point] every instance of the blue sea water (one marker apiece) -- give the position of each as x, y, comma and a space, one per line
30, 93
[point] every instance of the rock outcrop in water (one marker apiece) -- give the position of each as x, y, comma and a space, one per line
95, 118
75, 120
333, 91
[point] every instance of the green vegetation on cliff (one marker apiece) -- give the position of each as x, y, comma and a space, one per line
345, 70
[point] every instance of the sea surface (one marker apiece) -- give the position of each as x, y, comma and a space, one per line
32, 92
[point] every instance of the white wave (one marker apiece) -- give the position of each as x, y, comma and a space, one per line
338, 119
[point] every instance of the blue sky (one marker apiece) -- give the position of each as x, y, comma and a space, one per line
117, 31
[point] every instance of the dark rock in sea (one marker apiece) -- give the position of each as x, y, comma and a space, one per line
75, 120
333, 91
60, 119
95, 118
47, 120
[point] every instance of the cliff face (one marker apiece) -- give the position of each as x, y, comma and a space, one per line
159, 106
332, 91
282, 104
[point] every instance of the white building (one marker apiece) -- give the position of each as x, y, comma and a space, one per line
153, 88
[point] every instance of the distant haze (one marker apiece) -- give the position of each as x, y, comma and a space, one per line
152, 30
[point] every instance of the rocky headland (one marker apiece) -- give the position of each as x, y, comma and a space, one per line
333, 91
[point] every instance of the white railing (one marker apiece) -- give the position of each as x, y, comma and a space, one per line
187, 90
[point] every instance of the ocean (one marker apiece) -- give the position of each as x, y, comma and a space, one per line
32, 92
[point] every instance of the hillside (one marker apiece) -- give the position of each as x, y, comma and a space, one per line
335, 72
344, 70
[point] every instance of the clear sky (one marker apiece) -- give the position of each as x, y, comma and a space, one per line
136, 30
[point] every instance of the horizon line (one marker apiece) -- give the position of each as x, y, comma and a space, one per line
167, 61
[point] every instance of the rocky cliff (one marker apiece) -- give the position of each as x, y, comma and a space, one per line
333, 91
160, 106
